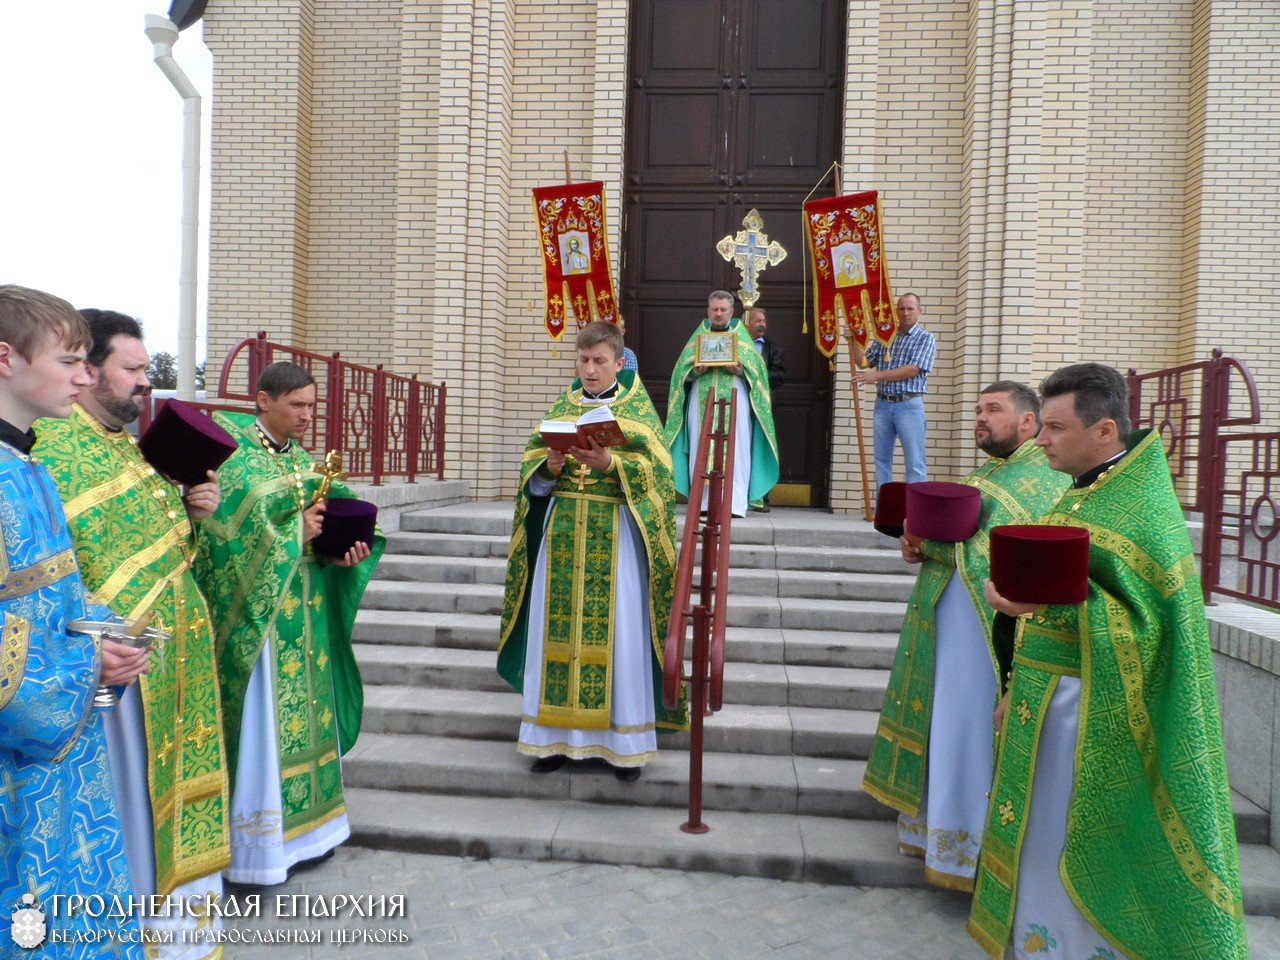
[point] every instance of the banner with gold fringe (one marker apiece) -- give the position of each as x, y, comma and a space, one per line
850, 274
575, 255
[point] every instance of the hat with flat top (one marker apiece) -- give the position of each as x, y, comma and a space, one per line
891, 509
1038, 563
347, 521
943, 511
184, 444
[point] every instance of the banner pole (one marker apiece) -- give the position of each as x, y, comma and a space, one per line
568, 177
857, 403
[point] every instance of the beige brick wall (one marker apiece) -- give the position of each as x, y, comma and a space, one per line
1091, 179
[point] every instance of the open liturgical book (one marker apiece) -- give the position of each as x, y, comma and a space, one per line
599, 424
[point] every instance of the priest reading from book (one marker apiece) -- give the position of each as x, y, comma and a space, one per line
695, 376
590, 572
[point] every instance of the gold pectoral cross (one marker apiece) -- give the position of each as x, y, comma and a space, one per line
330, 471
583, 476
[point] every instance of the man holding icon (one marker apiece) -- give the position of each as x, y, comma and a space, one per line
134, 536
282, 613
933, 754
1110, 830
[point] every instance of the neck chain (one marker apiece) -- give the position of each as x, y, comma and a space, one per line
299, 486
1086, 491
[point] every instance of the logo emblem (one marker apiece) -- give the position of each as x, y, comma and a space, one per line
27, 923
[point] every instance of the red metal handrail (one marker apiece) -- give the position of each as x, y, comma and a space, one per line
1232, 489
386, 424
706, 680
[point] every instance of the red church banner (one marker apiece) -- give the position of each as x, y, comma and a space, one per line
575, 255
850, 275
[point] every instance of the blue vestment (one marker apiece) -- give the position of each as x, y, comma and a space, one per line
59, 829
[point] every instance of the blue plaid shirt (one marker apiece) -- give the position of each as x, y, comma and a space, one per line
629, 361
915, 346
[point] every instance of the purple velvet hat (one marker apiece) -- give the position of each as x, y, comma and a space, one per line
346, 523
943, 511
891, 509
1040, 564
183, 443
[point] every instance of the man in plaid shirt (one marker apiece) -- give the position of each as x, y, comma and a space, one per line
901, 376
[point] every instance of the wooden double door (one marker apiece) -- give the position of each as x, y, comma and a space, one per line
732, 105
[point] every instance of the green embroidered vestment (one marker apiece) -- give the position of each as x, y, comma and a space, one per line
582, 542
1151, 858
264, 584
764, 441
1017, 489
134, 545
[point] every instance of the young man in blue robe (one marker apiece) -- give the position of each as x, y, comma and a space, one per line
59, 827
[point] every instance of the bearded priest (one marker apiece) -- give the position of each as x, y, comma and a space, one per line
134, 536
933, 753
755, 444
1110, 831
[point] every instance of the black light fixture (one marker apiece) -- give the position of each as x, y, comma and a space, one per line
183, 13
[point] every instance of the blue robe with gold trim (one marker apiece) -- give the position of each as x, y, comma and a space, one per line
59, 829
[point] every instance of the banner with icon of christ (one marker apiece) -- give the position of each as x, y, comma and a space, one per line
850, 275
575, 255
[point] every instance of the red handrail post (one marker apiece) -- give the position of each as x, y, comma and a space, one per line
378, 428
1211, 469
697, 699
439, 432
334, 388
412, 428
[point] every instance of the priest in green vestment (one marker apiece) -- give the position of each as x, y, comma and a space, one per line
933, 753
692, 382
1110, 831
590, 577
134, 540
291, 692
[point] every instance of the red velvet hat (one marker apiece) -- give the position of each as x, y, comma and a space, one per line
891, 509
346, 523
943, 511
1040, 564
183, 443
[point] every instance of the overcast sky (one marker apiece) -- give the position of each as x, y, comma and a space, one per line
91, 162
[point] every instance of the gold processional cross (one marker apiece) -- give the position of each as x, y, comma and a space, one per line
751, 251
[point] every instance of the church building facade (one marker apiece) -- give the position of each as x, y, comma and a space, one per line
1077, 180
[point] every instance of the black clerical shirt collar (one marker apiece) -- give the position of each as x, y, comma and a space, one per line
606, 394
1093, 474
22, 442
269, 440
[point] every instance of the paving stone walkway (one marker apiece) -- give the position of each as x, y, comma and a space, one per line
461, 909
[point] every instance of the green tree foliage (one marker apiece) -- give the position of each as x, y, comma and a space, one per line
163, 371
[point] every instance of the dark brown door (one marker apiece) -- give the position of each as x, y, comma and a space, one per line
733, 104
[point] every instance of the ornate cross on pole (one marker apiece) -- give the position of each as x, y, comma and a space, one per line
751, 251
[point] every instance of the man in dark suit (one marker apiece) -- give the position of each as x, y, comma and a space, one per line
757, 323
772, 353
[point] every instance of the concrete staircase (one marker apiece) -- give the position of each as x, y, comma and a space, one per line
816, 604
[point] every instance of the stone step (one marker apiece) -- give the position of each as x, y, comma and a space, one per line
744, 782
747, 556
782, 527
810, 786
764, 684
804, 613
813, 584
479, 631
793, 847
738, 728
